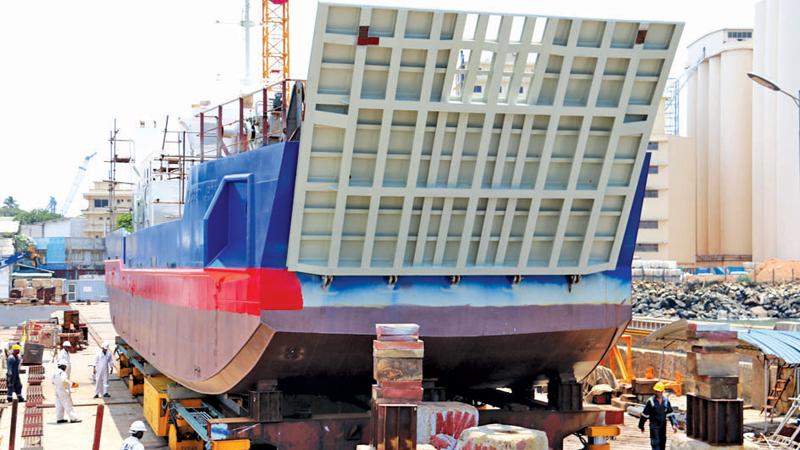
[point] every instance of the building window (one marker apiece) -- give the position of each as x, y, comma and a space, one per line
650, 193
650, 248
652, 170
477, 89
740, 35
652, 145
100, 203
648, 224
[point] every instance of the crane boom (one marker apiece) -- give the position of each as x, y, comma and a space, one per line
76, 183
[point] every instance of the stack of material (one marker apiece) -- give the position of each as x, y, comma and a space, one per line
714, 413
397, 364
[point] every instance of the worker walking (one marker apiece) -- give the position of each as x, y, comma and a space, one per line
13, 383
63, 355
136, 430
63, 388
103, 365
658, 411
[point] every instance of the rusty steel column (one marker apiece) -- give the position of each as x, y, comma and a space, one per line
13, 430
98, 426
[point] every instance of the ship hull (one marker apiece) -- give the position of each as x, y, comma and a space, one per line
326, 345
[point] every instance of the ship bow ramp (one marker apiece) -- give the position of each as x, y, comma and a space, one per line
480, 175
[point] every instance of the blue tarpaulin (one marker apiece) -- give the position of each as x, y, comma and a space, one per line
783, 345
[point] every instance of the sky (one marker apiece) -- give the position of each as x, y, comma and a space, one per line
70, 68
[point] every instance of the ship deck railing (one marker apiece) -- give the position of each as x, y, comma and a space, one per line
257, 118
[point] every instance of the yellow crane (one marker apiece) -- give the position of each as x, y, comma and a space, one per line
275, 40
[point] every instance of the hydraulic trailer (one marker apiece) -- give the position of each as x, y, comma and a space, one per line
267, 418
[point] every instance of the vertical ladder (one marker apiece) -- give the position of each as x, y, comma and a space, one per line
782, 378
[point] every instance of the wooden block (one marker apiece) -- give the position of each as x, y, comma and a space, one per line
395, 394
396, 329
398, 345
717, 364
644, 386
718, 388
401, 384
398, 353
691, 363
714, 348
397, 369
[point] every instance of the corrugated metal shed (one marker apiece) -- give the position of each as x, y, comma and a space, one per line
781, 345
778, 345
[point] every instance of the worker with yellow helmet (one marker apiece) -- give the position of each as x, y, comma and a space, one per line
13, 383
658, 411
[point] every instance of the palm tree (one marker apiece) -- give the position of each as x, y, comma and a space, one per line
10, 202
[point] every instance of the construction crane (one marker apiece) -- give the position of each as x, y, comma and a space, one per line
275, 37
76, 183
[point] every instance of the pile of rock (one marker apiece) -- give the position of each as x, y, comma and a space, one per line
717, 300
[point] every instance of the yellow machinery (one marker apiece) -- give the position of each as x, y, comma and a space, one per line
600, 435
136, 382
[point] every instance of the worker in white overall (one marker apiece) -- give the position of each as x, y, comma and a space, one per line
63, 355
103, 365
137, 430
63, 387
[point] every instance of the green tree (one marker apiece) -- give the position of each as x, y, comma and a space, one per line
36, 216
11, 203
125, 220
9, 212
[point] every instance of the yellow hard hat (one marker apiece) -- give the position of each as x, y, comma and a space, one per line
16, 347
659, 387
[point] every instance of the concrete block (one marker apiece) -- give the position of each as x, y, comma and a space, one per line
717, 364
502, 437
441, 423
397, 369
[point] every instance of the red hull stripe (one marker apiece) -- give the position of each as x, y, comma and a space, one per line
244, 291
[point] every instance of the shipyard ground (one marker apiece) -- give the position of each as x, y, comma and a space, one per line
122, 408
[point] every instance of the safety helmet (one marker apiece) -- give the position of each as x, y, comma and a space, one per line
659, 387
137, 426
66, 344
15, 347
105, 345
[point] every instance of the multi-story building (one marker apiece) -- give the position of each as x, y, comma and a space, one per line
64, 249
104, 206
667, 226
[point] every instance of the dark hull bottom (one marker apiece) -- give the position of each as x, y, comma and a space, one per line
312, 363
324, 350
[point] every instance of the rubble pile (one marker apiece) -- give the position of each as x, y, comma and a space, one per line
717, 300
